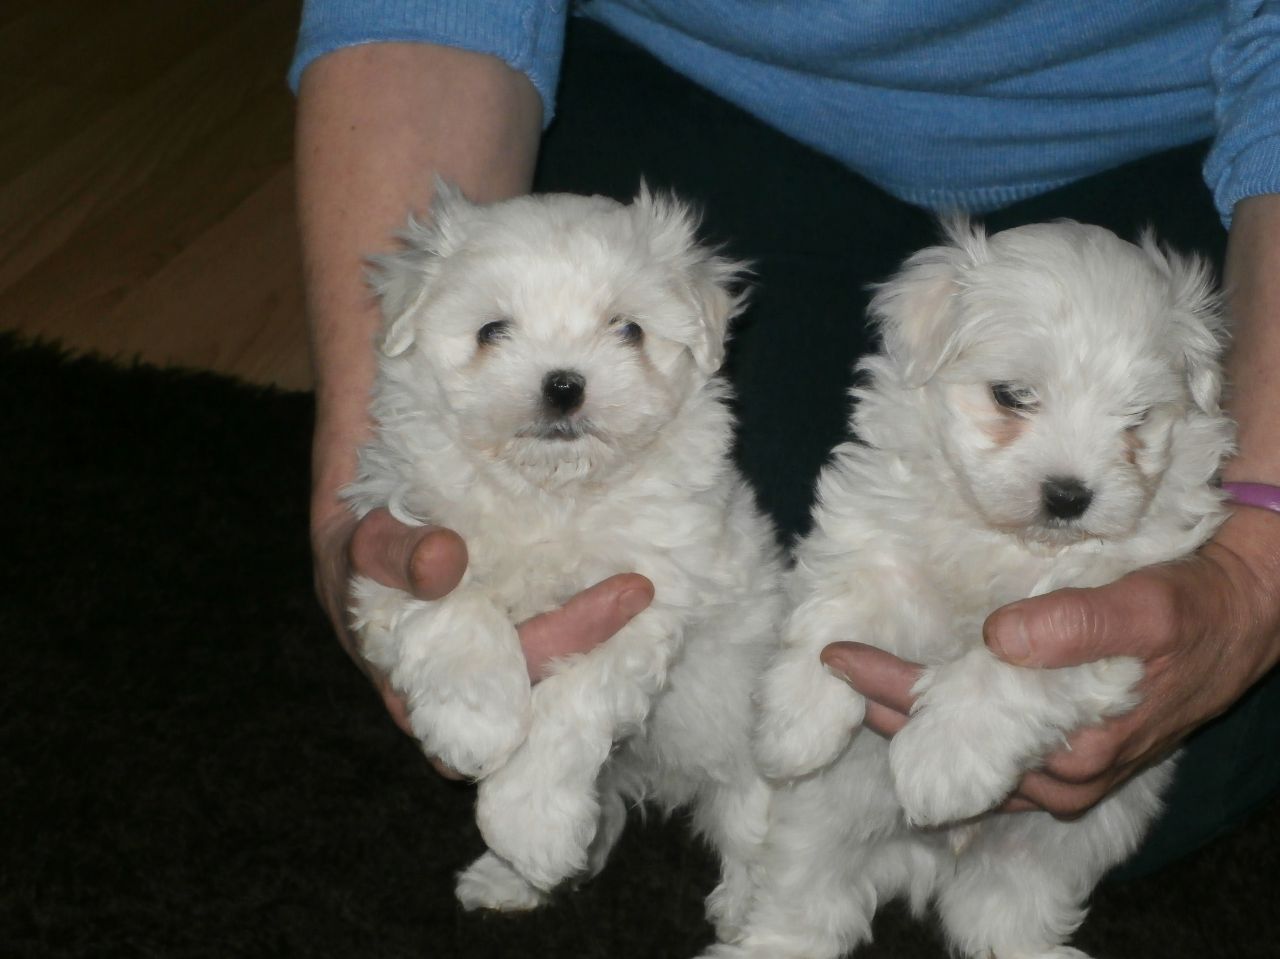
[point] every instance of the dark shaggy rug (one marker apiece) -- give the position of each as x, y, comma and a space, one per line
189, 767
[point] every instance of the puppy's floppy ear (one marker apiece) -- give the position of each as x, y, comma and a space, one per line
712, 283
402, 279
915, 309
1197, 315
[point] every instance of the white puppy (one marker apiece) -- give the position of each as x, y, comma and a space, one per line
547, 389
1044, 414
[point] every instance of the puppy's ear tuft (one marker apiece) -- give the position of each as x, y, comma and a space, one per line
402, 279
451, 214
915, 309
1198, 316
718, 286
713, 284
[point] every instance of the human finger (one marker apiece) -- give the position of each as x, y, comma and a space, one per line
1094, 760
586, 620
427, 561
1135, 616
881, 677
1064, 800
883, 720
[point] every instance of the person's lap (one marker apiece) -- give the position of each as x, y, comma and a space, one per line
817, 236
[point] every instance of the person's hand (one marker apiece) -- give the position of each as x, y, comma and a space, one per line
1206, 630
428, 562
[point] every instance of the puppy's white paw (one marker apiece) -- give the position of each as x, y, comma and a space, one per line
490, 883
779, 950
725, 950
727, 912
1053, 952
730, 902
473, 727
807, 717
944, 772
465, 681
541, 823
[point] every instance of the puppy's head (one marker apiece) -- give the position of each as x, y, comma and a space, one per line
556, 335
1065, 374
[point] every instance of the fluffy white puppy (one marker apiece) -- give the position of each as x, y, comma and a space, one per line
1044, 414
547, 389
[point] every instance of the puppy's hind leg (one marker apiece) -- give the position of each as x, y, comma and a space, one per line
1011, 909
491, 883
816, 879
1020, 888
613, 819
734, 820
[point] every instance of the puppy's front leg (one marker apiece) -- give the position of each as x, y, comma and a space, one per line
459, 665
807, 716
978, 724
540, 810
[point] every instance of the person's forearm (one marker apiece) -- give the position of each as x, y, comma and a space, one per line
376, 124
1253, 377
1253, 364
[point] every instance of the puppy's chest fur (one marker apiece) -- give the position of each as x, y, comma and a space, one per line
528, 578
537, 556
532, 553
967, 580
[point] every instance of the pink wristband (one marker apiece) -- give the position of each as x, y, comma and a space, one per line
1254, 494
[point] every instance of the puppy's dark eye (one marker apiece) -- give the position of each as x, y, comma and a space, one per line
628, 329
1009, 396
492, 332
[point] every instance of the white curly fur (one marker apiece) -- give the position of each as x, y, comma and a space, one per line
1109, 354
638, 478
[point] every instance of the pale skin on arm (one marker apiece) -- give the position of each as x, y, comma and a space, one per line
1207, 629
376, 124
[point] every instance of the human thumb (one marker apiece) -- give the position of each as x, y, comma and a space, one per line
1067, 627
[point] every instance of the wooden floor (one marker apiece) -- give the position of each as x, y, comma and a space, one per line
146, 197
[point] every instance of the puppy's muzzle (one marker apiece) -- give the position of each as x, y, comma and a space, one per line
1065, 497
563, 391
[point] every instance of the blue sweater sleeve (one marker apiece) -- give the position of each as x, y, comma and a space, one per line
527, 34
1245, 158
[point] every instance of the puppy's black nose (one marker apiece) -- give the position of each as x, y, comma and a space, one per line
1065, 497
563, 390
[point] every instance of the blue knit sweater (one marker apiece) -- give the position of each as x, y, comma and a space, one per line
948, 104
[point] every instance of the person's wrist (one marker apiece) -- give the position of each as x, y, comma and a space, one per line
1247, 550
337, 437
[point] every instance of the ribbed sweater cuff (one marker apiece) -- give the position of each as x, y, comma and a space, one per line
527, 34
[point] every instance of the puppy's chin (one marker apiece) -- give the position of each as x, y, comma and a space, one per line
555, 455
1045, 534
1052, 535
557, 431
